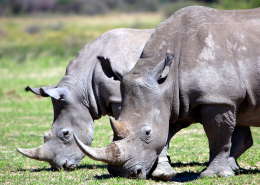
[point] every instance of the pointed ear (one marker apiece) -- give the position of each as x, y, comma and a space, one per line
37, 90
162, 69
59, 93
111, 67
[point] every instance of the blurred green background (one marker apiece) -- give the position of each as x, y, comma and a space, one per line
31, 29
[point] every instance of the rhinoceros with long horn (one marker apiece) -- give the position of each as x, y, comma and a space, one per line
210, 74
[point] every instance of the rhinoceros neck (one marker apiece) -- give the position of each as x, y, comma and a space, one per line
97, 90
78, 77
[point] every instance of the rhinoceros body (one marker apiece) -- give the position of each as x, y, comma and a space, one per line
211, 75
85, 93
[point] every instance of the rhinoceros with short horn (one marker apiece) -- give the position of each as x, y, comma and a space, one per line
86, 92
211, 75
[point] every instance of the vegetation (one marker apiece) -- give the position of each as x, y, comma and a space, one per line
59, 38
35, 51
93, 7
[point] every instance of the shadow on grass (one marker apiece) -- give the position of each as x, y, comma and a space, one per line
90, 166
84, 166
190, 176
34, 170
101, 177
185, 177
243, 171
179, 164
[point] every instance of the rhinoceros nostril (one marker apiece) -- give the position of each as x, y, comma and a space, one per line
138, 172
65, 164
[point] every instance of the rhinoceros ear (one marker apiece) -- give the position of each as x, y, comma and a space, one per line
162, 69
111, 67
38, 91
59, 93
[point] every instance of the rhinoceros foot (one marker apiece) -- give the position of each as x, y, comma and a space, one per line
221, 171
233, 164
163, 172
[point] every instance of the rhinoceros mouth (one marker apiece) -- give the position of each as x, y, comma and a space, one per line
69, 166
134, 172
65, 164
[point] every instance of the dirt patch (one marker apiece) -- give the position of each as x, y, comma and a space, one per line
13, 94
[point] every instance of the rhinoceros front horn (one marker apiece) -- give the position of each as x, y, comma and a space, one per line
111, 154
38, 153
120, 129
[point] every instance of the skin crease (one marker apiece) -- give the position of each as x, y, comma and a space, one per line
213, 79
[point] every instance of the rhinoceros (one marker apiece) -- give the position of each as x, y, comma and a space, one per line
210, 75
86, 92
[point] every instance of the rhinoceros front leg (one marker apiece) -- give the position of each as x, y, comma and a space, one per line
219, 123
241, 141
163, 170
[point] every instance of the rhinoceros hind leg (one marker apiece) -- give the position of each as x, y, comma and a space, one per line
222, 172
241, 141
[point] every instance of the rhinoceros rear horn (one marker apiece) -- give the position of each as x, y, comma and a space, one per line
111, 154
39, 90
162, 69
120, 129
40, 153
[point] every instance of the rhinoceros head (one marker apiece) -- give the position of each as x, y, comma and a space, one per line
70, 116
141, 130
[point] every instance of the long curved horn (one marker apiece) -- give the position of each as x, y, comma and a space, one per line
40, 153
111, 154
120, 129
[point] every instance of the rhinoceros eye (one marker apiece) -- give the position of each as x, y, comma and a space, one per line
146, 130
65, 133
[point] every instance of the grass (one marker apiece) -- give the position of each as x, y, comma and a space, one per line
24, 38
24, 117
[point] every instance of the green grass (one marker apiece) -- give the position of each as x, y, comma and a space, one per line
24, 38
24, 117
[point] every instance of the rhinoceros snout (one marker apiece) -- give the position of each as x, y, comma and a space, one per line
65, 164
69, 166
139, 173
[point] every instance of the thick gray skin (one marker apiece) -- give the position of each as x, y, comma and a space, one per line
86, 92
213, 79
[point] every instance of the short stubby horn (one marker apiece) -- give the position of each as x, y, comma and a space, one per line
111, 154
120, 129
38, 153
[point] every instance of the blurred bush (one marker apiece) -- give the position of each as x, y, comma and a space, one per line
27, 38
170, 8
173, 6
89, 7
50, 34
237, 4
